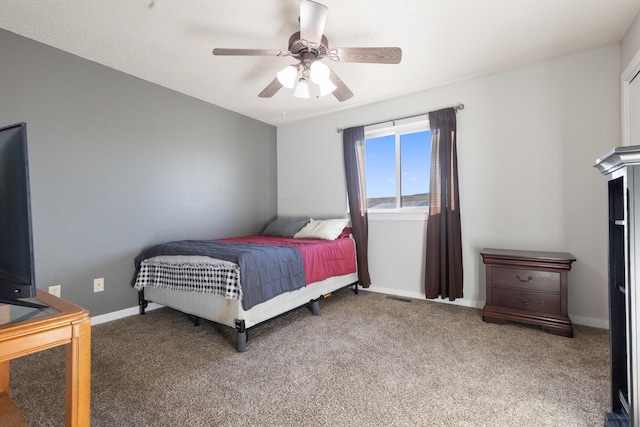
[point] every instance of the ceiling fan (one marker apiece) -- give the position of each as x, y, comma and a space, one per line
309, 46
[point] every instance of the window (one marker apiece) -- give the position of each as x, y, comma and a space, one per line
398, 165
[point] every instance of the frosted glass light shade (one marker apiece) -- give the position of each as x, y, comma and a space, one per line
287, 76
302, 89
319, 72
326, 87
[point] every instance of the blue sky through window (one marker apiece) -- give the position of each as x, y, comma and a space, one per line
415, 158
381, 166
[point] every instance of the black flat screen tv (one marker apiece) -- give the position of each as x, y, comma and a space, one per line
17, 270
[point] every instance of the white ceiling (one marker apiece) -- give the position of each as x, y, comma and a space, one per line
169, 42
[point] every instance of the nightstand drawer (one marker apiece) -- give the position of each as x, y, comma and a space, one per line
533, 280
529, 301
529, 287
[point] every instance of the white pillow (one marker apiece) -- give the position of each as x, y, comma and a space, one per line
328, 229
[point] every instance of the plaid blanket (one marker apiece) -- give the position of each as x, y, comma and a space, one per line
191, 274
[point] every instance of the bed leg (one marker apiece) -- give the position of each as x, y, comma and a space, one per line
241, 343
141, 301
315, 307
355, 289
195, 320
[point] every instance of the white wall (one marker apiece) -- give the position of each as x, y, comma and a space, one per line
630, 44
527, 141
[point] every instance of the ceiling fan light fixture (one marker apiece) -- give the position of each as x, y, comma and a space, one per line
309, 46
287, 76
302, 89
319, 72
326, 87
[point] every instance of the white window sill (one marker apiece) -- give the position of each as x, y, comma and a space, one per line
397, 215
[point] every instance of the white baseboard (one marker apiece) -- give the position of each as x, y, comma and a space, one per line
416, 295
578, 320
590, 321
114, 315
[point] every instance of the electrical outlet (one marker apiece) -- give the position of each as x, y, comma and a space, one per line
55, 290
98, 284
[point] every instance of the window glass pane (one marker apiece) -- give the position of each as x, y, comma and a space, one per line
415, 161
380, 170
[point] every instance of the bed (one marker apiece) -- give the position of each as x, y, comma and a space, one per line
243, 281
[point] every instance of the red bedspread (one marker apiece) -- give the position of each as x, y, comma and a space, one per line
322, 258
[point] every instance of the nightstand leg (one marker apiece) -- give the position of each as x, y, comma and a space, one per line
490, 319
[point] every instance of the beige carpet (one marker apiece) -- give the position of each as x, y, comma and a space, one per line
369, 360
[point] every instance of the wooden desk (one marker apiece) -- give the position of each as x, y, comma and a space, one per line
69, 326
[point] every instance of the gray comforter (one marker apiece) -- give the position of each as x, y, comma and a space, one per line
265, 270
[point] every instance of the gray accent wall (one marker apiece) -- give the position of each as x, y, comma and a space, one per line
118, 164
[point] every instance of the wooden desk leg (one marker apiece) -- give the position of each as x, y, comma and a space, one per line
4, 376
78, 375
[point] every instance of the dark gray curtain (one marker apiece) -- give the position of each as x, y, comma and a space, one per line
443, 266
353, 145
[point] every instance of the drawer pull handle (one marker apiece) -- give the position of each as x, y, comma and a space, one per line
524, 300
524, 280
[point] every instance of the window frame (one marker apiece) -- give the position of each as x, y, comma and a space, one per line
398, 128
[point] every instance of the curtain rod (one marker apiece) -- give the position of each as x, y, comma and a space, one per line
457, 108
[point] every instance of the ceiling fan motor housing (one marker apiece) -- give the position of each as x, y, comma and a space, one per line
298, 45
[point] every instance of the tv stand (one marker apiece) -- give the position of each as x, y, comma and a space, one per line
22, 303
68, 326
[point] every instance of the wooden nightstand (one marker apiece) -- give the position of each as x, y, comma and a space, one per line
529, 287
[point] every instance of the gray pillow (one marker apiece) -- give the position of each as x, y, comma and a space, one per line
285, 227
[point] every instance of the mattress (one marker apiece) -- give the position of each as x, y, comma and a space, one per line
252, 269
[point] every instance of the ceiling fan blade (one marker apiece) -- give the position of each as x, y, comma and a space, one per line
271, 89
342, 93
249, 52
372, 55
313, 16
